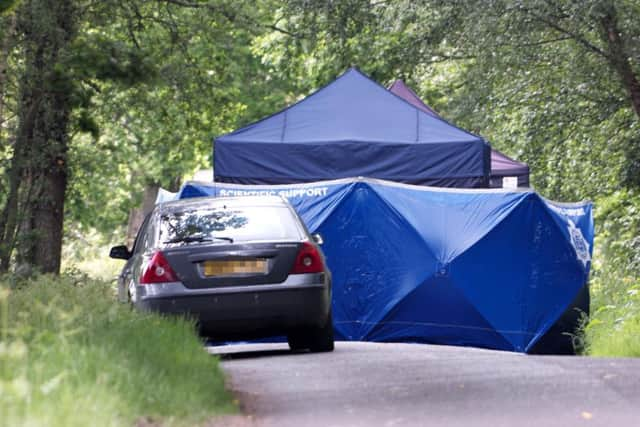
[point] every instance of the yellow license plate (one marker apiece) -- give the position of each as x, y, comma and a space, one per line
227, 267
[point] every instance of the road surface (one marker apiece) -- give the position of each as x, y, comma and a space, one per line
367, 384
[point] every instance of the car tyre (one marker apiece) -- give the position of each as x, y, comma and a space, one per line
298, 340
321, 339
316, 339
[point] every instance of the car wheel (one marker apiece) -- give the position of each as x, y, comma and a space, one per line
316, 339
321, 339
298, 339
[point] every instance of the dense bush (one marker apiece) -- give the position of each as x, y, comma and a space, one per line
614, 326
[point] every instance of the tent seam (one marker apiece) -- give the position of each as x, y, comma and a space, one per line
511, 209
423, 243
284, 126
413, 106
438, 259
252, 124
352, 69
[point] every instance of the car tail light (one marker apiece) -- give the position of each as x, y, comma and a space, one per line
158, 270
308, 260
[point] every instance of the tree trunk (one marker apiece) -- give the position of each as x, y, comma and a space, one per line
5, 50
10, 216
618, 56
47, 27
47, 217
137, 215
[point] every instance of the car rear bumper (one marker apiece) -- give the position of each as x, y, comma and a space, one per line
244, 312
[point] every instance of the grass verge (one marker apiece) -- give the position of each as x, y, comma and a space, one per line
614, 325
71, 356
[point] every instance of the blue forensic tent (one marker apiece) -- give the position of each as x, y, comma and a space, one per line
352, 127
487, 268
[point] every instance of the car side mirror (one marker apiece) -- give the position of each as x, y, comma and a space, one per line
317, 238
120, 252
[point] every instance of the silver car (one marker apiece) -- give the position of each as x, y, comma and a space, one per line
244, 268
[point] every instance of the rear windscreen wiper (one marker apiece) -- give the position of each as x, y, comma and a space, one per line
191, 239
188, 239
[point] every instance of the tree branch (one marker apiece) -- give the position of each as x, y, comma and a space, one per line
542, 42
619, 58
274, 27
230, 16
580, 39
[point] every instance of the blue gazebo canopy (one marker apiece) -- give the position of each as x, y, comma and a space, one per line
352, 127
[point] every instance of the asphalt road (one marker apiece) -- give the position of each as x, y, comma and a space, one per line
366, 384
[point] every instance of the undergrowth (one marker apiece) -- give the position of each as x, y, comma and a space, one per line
614, 324
71, 356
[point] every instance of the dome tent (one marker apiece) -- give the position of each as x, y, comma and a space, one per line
352, 127
488, 268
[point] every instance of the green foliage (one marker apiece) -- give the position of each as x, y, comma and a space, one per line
88, 253
614, 327
151, 84
7, 6
156, 86
72, 356
539, 79
319, 40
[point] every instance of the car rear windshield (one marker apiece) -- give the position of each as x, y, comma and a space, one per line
230, 224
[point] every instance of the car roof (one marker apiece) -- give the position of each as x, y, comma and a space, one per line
241, 201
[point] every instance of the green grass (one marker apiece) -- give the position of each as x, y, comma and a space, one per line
612, 339
614, 324
71, 356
